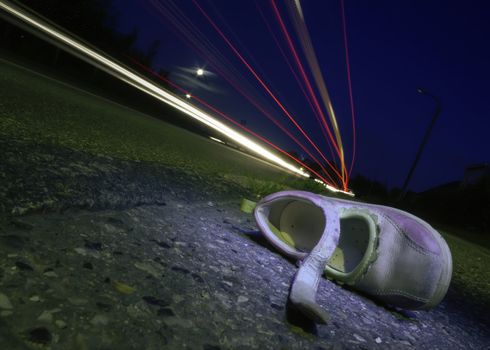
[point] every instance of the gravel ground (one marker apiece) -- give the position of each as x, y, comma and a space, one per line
101, 253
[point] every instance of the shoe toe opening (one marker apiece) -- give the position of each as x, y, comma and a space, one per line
298, 223
353, 244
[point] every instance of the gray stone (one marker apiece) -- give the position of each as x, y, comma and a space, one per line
99, 320
50, 274
60, 324
5, 302
80, 251
242, 299
147, 268
359, 338
45, 316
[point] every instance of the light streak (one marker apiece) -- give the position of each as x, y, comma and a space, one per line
302, 31
295, 75
184, 28
261, 82
303, 73
167, 81
148, 87
333, 189
219, 141
349, 82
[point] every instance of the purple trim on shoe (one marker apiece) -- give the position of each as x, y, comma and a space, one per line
415, 231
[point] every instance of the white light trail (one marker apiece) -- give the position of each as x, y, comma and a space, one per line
149, 87
215, 139
333, 189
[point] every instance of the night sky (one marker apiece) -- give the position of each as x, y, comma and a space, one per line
395, 47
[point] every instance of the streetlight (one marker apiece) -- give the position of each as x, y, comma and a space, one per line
437, 112
188, 96
200, 72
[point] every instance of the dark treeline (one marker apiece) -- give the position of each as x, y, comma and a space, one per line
93, 21
467, 206
462, 205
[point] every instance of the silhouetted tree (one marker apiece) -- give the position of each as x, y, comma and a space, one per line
366, 188
94, 21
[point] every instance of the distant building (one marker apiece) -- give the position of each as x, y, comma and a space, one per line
474, 173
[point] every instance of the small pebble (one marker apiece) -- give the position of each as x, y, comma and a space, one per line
60, 324
46, 316
50, 274
5, 302
378, 340
81, 251
177, 298
359, 338
123, 288
242, 299
99, 320
228, 283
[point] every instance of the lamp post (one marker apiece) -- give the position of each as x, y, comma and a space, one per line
437, 112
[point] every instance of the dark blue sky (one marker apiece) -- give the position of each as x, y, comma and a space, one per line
395, 47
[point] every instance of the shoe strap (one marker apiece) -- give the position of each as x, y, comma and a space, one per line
305, 284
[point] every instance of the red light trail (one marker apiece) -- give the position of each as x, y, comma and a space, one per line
242, 59
200, 42
296, 14
349, 82
303, 74
230, 120
296, 78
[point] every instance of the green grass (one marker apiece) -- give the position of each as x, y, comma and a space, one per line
40, 110
471, 266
